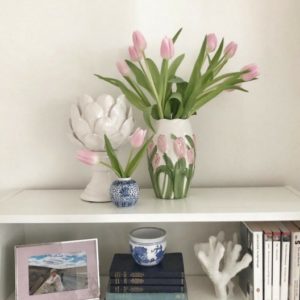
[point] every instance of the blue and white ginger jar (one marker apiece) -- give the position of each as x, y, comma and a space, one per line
124, 192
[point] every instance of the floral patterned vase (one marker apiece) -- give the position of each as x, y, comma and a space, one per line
171, 158
124, 192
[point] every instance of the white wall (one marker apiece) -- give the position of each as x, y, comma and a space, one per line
50, 49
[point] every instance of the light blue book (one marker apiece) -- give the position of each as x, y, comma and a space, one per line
146, 296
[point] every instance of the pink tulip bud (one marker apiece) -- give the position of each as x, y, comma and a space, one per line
151, 147
135, 54
167, 48
230, 50
123, 68
156, 161
211, 42
138, 137
139, 41
252, 72
180, 147
162, 143
190, 156
88, 157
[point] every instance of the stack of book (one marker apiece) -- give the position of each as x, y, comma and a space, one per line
275, 271
130, 281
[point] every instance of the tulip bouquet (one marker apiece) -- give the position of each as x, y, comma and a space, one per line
159, 93
137, 141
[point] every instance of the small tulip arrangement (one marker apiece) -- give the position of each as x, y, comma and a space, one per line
138, 143
159, 93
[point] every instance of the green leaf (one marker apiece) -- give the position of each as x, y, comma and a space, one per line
115, 165
173, 106
196, 70
217, 56
154, 72
175, 64
173, 136
141, 78
133, 98
147, 118
176, 80
136, 159
175, 37
155, 112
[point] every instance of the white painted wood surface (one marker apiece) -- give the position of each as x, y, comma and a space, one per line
202, 205
199, 287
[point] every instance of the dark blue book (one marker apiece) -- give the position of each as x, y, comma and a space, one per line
146, 289
146, 281
123, 266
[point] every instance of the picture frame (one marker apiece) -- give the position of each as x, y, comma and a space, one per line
57, 271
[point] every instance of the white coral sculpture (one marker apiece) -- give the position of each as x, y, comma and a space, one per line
221, 261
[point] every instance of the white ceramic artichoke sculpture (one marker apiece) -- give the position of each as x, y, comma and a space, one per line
90, 119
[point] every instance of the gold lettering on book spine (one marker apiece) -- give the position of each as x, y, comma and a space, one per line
137, 281
137, 275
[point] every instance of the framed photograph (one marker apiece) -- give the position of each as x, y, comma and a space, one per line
58, 271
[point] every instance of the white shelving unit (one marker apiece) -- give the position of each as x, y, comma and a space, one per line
202, 205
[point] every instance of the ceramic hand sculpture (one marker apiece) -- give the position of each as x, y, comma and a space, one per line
220, 261
90, 120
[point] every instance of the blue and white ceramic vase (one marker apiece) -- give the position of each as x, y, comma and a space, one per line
124, 192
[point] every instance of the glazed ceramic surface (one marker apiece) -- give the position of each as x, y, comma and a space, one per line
124, 192
97, 189
90, 119
171, 158
148, 245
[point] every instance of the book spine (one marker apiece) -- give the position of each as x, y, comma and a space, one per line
294, 266
258, 265
147, 281
268, 241
146, 296
146, 275
285, 261
276, 266
146, 289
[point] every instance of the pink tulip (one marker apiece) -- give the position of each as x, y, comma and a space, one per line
156, 161
88, 157
123, 68
150, 147
180, 147
139, 41
167, 48
137, 138
190, 156
211, 42
252, 72
135, 54
230, 50
162, 143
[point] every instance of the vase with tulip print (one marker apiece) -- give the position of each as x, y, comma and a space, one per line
171, 158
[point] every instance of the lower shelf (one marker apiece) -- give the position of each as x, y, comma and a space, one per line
199, 287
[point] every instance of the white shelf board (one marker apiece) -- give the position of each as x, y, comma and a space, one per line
202, 205
199, 287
